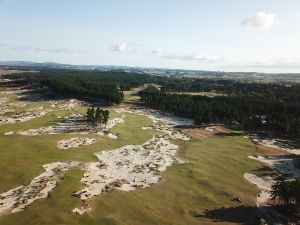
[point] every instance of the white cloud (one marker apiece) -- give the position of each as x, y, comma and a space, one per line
130, 48
293, 62
122, 47
125, 47
261, 20
192, 57
58, 50
39, 49
157, 51
269, 65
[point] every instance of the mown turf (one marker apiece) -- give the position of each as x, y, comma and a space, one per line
21, 157
198, 192
212, 176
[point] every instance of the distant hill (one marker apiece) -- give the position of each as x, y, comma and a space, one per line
157, 71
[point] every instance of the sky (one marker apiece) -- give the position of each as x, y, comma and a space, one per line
223, 35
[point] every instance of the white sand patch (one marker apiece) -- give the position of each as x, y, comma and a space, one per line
129, 167
264, 184
75, 124
110, 124
18, 199
125, 168
133, 166
21, 117
67, 104
4, 100
123, 110
210, 129
6, 111
162, 121
82, 210
280, 165
9, 133
9, 109
75, 142
112, 136
113, 122
280, 144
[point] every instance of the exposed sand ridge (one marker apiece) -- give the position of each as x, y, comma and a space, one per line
281, 165
125, 168
19, 198
133, 166
75, 124
75, 142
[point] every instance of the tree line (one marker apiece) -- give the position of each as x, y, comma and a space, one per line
255, 105
254, 111
75, 84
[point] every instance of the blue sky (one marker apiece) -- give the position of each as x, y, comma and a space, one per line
230, 35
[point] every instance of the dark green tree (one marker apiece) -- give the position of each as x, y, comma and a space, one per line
92, 112
99, 116
90, 115
105, 116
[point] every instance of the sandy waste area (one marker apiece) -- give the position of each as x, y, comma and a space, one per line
13, 118
126, 168
75, 124
75, 142
19, 198
67, 104
280, 165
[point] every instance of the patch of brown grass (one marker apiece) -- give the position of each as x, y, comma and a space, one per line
204, 133
267, 151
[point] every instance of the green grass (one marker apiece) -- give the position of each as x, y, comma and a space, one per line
49, 119
22, 156
212, 176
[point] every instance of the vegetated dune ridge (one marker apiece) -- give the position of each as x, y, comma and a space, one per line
75, 124
19, 198
280, 165
22, 117
72, 124
14, 112
133, 166
75, 142
9, 115
126, 168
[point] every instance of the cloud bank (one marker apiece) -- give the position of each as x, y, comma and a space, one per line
40, 49
191, 57
261, 20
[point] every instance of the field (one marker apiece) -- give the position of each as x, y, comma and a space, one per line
197, 192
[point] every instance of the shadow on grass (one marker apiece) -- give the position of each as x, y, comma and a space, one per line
47, 94
264, 171
39, 94
231, 134
239, 214
251, 215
